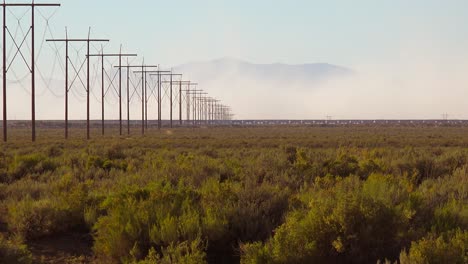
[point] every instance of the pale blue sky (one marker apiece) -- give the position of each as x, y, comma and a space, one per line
264, 31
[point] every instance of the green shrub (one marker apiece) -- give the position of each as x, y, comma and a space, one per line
29, 164
34, 218
451, 247
186, 252
115, 152
344, 165
341, 223
449, 216
137, 220
259, 210
31, 219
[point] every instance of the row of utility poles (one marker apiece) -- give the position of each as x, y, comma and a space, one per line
201, 109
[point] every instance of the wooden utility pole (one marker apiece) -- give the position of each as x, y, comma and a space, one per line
144, 73
32, 67
102, 56
188, 83
187, 98
143, 92
180, 83
213, 103
87, 88
197, 105
191, 103
171, 83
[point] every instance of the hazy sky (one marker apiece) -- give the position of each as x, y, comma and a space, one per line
297, 31
411, 55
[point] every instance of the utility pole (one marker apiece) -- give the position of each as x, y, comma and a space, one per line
189, 83
213, 103
203, 108
102, 56
209, 113
210, 110
206, 109
172, 82
143, 92
197, 105
217, 111
191, 103
180, 97
226, 113
159, 74
33, 62
144, 73
160, 82
200, 107
188, 93
87, 88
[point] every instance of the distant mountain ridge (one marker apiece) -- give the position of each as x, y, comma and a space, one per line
275, 72
274, 90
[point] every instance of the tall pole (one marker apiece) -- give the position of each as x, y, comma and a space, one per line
143, 72
212, 112
213, 120
194, 103
208, 111
144, 91
120, 90
159, 74
171, 100
87, 87
205, 110
195, 113
102, 56
32, 68
197, 106
216, 112
146, 102
188, 103
171, 103
66, 83
143, 98
128, 99
193, 109
180, 103
67, 88
202, 110
159, 100
102, 90
33, 77
4, 76
198, 110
